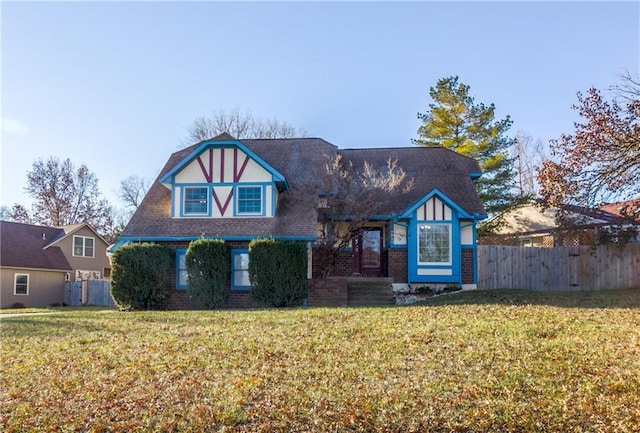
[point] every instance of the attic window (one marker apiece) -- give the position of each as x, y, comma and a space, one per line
83, 246
196, 200
250, 200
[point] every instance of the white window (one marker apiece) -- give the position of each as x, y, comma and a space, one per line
240, 270
434, 244
83, 246
21, 284
181, 269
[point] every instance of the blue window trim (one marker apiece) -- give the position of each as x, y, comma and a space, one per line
456, 253
180, 252
178, 206
436, 264
234, 253
182, 188
263, 196
249, 200
197, 200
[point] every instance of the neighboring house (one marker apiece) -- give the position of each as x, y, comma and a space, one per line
237, 190
85, 250
532, 225
627, 209
37, 261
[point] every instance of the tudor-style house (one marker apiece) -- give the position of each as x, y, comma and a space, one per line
237, 190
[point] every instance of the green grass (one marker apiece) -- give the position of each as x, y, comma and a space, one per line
470, 362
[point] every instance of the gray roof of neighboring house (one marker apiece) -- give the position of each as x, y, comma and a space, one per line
298, 160
23, 246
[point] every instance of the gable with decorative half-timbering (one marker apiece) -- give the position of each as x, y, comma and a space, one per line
439, 231
223, 179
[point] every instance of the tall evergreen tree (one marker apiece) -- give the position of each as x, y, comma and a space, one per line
456, 122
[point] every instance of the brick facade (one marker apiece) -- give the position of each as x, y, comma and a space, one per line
342, 267
179, 298
331, 291
327, 292
467, 265
397, 267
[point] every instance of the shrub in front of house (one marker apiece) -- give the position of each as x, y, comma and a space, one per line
140, 276
278, 272
208, 272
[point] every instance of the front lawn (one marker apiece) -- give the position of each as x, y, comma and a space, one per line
478, 362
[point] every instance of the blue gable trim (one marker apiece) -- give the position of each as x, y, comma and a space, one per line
436, 192
223, 144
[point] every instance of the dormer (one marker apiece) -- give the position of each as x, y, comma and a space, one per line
222, 178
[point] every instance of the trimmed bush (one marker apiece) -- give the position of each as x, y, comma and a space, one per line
208, 269
140, 276
278, 272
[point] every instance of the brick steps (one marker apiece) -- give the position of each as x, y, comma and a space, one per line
369, 291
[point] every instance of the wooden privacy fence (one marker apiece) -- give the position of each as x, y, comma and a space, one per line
560, 268
88, 292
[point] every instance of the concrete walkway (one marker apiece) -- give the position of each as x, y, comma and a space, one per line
8, 315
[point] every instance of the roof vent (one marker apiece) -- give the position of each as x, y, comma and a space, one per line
44, 236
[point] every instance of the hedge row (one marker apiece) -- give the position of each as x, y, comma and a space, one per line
277, 271
208, 270
140, 276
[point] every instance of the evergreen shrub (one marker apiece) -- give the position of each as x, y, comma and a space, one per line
140, 276
278, 272
208, 269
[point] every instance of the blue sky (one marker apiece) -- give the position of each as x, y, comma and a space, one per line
113, 85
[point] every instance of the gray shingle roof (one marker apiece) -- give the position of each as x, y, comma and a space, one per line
298, 160
430, 167
22, 246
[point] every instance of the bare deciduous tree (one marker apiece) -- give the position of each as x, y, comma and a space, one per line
628, 89
528, 156
347, 197
64, 195
132, 190
5, 213
240, 125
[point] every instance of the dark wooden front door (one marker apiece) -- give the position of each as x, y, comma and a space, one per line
367, 253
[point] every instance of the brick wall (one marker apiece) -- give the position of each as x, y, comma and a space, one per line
397, 259
342, 267
467, 266
179, 299
327, 292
